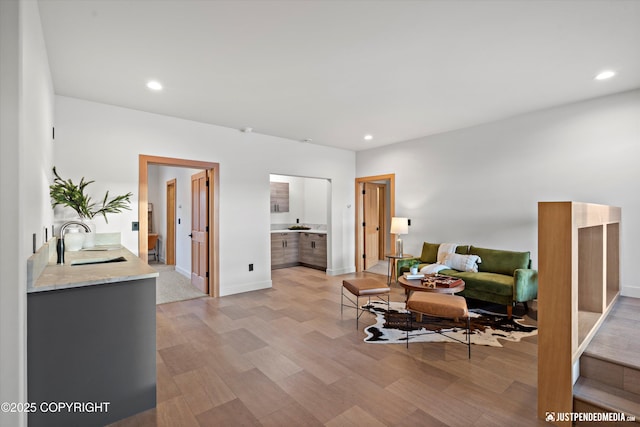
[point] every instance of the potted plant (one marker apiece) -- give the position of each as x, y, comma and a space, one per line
65, 192
414, 267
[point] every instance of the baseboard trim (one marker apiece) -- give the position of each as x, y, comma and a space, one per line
339, 271
244, 287
630, 291
184, 272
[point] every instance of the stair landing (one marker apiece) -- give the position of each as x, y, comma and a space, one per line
610, 366
618, 339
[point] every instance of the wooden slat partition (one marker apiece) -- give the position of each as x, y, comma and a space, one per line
578, 281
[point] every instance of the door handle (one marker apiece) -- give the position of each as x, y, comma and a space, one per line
191, 235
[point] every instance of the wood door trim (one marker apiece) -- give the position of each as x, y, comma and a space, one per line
382, 221
170, 250
371, 224
359, 183
214, 212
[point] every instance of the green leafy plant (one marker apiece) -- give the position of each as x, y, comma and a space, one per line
67, 193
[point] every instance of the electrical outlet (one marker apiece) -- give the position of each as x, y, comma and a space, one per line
135, 226
250, 267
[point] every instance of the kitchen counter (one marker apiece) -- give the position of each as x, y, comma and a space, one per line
300, 231
90, 343
67, 276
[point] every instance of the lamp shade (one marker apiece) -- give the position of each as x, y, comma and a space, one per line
399, 225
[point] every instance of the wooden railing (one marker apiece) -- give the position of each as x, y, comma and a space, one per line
578, 282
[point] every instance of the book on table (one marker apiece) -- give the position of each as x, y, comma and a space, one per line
410, 276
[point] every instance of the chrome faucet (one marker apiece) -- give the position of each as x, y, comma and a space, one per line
63, 229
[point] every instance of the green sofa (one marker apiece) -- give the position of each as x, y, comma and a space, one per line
503, 277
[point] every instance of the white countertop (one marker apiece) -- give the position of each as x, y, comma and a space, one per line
67, 276
300, 231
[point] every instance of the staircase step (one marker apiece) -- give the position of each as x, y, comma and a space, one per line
590, 395
616, 340
610, 372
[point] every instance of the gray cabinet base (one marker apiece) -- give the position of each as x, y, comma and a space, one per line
89, 345
316, 267
297, 264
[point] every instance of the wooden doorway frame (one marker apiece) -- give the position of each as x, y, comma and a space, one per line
214, 210
170, 251
382, 220
391, 178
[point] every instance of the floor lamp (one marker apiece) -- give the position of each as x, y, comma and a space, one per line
399, 226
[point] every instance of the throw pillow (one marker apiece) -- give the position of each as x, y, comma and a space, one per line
429, 252
462, 262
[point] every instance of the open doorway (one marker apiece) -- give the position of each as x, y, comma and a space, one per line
300, 221
170, 215
375, 206
210, 261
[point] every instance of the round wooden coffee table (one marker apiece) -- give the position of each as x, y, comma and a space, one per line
417, 285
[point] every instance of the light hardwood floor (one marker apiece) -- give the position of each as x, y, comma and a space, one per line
285, 357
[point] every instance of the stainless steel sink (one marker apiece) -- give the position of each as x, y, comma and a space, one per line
103, 248
89, 261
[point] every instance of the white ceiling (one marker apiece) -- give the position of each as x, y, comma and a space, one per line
333, 71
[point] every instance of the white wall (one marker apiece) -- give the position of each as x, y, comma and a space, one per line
26, 112
307, 200
12, 304
315, 200
103, 142
481, 185
158, 177
36, 126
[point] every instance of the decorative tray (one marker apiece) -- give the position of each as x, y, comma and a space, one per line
441, 281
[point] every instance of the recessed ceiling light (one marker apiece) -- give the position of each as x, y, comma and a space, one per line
605, 75
154, 85
368, 137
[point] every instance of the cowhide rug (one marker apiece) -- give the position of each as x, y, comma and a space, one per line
486, 327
